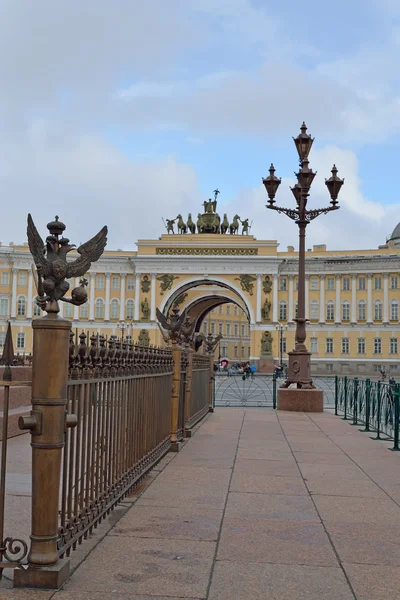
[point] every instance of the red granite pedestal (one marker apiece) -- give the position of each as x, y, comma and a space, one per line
294, 399
266, 365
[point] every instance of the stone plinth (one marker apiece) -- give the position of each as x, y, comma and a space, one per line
298, 400
266, 364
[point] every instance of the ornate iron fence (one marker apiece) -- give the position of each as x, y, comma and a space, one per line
199, 396
182, 396
374, 404
121, 394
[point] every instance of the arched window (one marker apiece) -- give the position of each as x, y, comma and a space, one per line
378, 310
84, 311
68, 310
330, 310
314, 310
99, 308
346, 311
36, 310
114, 308
282, 310
394, 310
362, 315
21, 306
130, 305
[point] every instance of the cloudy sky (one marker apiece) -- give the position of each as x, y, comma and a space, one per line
121, 112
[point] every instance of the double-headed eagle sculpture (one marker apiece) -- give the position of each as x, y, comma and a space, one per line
172, 324
53, 268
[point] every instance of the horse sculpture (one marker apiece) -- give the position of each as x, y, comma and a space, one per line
225, 224
181, 225
234, 226
190, 224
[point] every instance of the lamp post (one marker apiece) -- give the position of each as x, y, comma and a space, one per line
124, 325
281, 329
299, 358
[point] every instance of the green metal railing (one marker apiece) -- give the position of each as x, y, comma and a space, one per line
373, 404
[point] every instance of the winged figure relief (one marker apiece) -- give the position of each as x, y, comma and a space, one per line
247, 283
173, 324
52, 265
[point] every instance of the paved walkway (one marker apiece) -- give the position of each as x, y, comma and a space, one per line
258, 504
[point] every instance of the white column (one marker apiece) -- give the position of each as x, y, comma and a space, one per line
291, 301
275, 298
30, 295
137, 297
369, 298
153, 298
122, 298
107, 310
322, 298
354, 299
14, 294
385, 297
258, 306
337, 302
307, 297
91, 296
76, 308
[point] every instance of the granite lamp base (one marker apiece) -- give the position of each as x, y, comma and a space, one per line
294, 399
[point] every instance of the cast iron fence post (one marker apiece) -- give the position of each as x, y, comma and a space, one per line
274, 390
396, 400
211, 386
379, 410
367, 405
336, 394
188, 392
345, 398
355, 401
176, 382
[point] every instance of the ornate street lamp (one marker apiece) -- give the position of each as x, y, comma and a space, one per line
299, 358
124, 325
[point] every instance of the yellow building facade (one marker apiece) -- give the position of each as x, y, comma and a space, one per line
235, 285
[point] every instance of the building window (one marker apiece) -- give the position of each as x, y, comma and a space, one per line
378, 283
314, 283
345, 345
131, 284
346, 284
235, 329
228, 329
21, 306
68, 310
20, 340
393, 346
378, 310
329, 346
361, 283
212, 330
22, 278
330, 310
235, 351
361, 345
130, 306
5, 278
99, 308
2, 338
235, 311
115, 283
377, 345
282, 284
84, 311
221, 309
283, 345
362, 310
243, 330
314, 345
205, 327
394, 310
220, 328
330, 284
394, 282
346, 311
314, 310
3, 307
228, 310
99, 282
282, 310
114, 309
243, 355
36, 310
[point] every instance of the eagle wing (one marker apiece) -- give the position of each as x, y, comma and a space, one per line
89, 252
36, 245
250, 278
163, 320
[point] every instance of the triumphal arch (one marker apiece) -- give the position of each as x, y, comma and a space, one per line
203, 263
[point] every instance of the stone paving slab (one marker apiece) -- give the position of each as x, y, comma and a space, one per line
258, 504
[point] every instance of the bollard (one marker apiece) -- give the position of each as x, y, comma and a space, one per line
396, 416
176, 382
47, 423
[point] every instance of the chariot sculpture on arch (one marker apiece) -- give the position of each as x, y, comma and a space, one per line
53, 268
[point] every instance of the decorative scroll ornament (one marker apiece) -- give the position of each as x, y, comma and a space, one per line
53, 268
171, 324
